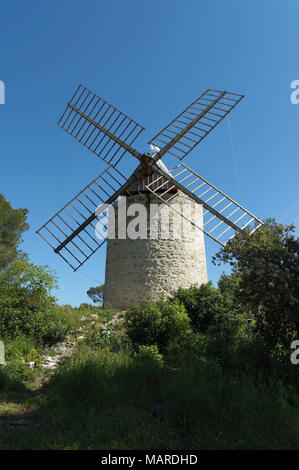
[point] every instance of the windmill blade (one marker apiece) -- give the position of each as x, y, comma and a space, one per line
101, 127
72, 231
190, 127
222, 216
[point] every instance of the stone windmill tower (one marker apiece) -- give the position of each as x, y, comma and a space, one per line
169, 251
157, 216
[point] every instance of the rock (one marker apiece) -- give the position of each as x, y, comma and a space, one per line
50, 362
48, 359
31, 364
49, 365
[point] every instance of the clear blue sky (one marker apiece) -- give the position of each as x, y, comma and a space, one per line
150, 59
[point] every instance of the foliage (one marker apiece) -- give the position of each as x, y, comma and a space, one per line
96, 294
26, 306
157, 323
102, 336
33, 283
22, 348
114, 399
267, 264
209, 308
13, 224
15, 374
188, 349
149, 355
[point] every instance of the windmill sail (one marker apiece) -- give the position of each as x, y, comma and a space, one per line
222, 216
190, 127
71, 232
99, 126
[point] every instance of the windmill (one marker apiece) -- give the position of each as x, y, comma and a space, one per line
145, 266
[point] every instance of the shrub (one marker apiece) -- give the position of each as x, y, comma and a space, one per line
209, 309
102, 337
149, 355
17, 372
55, 331
22, 348
186, 351
44, 327
157, 323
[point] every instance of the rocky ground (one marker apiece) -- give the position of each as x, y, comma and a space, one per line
66, 348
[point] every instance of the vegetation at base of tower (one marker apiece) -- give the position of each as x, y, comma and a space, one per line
149, 355
208, 368
157, 323
210, 309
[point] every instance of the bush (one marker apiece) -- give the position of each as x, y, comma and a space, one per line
209, 309
12, 381
17, 372
22, 348
102, 337
157, 323
186, 351
44, 327
55, 330
149, 355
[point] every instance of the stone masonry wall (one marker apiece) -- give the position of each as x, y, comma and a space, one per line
152, 267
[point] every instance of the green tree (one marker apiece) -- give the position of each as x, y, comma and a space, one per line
267, 266
96, 294
26, 303
12, 225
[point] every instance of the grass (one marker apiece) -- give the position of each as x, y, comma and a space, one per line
104, 400
105, 397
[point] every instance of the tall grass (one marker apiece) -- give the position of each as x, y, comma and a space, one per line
102, 400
